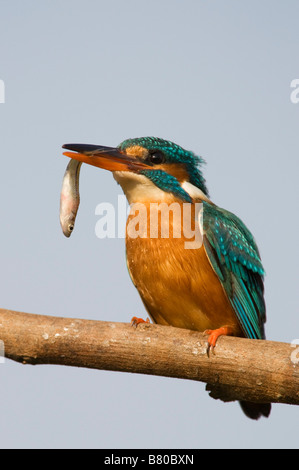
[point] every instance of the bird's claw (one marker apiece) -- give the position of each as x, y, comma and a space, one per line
135, 321
211, 342
214, 335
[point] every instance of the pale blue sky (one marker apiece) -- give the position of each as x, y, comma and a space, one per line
213, 77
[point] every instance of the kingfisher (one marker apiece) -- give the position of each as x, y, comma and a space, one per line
216, 287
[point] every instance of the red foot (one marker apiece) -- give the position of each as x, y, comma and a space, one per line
214, 335
135, 321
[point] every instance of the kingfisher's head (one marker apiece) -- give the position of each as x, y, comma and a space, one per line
147, 168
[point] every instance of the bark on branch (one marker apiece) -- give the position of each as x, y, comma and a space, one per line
241, 369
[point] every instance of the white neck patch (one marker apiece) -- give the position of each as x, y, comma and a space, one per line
194, 192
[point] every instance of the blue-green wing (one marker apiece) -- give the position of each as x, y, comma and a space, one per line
235, 258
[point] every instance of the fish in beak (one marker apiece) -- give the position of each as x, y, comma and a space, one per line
70, 197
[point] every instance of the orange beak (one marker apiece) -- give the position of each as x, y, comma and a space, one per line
108, 158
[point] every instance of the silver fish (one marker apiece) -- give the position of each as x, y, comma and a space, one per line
70, 197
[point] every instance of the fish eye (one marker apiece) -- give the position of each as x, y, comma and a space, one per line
71, 228
156, 157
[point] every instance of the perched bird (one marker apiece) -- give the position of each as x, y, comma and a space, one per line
216, 287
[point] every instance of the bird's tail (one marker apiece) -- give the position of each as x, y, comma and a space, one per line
255, 410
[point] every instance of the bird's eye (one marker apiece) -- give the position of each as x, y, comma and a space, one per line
156, 157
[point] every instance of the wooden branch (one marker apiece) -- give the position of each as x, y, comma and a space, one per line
241, 369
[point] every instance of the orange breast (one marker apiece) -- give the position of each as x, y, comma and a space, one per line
178, 286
